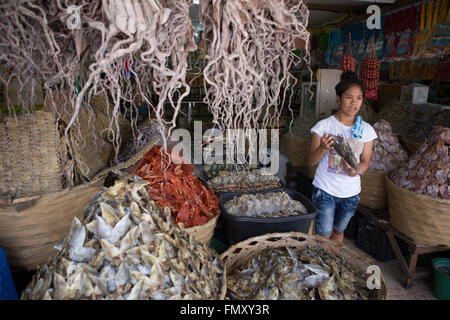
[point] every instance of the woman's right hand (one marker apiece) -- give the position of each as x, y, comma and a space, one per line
326, 142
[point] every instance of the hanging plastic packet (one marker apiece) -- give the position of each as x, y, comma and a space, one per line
379, 42
403, 41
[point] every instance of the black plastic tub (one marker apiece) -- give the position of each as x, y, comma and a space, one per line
241, 228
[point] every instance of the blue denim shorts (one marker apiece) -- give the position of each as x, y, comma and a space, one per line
332, 212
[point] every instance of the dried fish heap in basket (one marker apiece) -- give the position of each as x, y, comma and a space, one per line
213, 169
343, 149
265, 205
428, 170
422, 130
295, 274
387, 153
128, 248
238, 181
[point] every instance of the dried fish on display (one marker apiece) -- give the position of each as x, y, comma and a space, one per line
397, 115
387, 152
428, 170
343, 149
127, 248
308, 274
265, 205
213, 169
176, 188
238, 181
422, 130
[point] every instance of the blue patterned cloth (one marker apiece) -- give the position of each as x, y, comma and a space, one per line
7, 288
358, 130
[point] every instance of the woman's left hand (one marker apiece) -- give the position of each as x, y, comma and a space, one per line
349, 170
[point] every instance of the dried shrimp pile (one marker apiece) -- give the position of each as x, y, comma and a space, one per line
264, 205
387, 153
428, 170
127, 248
248, 54
176, 188
309, 274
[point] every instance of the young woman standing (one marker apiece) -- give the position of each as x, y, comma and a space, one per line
336, 185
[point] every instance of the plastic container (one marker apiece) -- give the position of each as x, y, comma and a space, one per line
414, 93
372, 239
441, 278
241, 228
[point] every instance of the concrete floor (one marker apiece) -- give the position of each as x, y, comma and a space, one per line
421, 289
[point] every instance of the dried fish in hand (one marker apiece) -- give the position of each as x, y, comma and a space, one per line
128, 248
264, 205
343, 149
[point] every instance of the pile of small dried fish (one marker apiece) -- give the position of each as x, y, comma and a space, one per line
286, 273
396, 114
265, 205
128, 248
343, 149
428, 170
367, 113
213, 169
239, 181
422, 130
387, 153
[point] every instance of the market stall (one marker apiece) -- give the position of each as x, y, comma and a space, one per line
140, 145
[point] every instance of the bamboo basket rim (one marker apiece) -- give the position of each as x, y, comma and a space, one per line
287, 239
195, 229
423, 197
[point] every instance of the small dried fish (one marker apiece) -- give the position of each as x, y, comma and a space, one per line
281, 274
264, 205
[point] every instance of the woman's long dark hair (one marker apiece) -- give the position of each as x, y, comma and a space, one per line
348, 79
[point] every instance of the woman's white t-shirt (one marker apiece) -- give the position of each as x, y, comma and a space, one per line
330, 175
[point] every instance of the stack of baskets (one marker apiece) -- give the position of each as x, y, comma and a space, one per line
373, 189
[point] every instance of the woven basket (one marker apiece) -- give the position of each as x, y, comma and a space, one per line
30, 161
203, 233
297, 150
424, 219
373, 190
242, 252
31, 227
312, 171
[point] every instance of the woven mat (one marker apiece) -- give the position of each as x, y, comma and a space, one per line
29, 156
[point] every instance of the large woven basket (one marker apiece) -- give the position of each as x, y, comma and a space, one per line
31, 227
30, 162
373, 190
424, 219
242, 252
297, 150
203, 233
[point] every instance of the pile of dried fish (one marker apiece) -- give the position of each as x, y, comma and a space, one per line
422, 130
367, 113
212, 170
387, 153
428, 170
343, 149
265, 205
396, 114
286, 273
239, 181
128, 248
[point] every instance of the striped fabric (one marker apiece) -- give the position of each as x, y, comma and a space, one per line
357, 130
